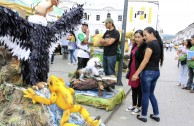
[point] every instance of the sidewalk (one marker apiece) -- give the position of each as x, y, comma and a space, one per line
61, 68
176, 105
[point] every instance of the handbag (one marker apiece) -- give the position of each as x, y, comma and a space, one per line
183, 62
127, 74
119, 54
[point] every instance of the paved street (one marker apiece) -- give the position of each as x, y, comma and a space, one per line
175, 104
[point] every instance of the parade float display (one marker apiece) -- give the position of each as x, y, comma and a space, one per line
62, 96
29, 44
93, 88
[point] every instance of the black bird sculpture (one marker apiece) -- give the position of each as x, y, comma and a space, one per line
31, 42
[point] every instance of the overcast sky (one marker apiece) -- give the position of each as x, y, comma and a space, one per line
174, 15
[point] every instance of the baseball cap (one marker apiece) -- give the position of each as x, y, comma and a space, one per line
85, 23
108, 20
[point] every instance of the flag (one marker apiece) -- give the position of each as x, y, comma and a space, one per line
131, 14
150, 15
142, 14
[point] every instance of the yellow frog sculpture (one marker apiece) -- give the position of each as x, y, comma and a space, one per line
63, 97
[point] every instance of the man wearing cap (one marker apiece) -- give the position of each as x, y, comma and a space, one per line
110, 42
83, 52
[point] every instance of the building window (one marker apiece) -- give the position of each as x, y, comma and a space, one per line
85, 16
96, 31
97, 17
108, 15
88, 17
119, 17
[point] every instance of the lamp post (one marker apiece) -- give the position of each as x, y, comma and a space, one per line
120, 68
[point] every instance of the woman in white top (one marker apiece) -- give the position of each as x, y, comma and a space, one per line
183, 69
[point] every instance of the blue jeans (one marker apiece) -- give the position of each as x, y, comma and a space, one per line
190, 83
72, 56
109, 63
52, 57
183, 74
148, 83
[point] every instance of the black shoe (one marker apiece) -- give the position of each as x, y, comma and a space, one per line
192, 91
141, 119
184, 87
130, 108
157, 119
97, 118
188, 88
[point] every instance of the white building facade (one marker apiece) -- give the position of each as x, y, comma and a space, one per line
95, 14
140, 14
184, 34
95, 18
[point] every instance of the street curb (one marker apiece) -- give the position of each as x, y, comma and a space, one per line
115, 109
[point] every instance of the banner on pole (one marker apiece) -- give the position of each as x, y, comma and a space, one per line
142, 14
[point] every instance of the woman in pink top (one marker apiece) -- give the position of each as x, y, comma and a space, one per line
136, 56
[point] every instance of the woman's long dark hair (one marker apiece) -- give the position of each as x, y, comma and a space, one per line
188, 43
71, 32
156, 34
140, 32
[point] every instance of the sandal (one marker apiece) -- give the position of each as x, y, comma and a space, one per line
157, 119
141, 119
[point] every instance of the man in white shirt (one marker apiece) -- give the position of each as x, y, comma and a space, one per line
171, 45
83, 41
167, 46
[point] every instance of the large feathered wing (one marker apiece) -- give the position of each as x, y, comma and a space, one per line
20, 36
31, 42
69, 20
14, 32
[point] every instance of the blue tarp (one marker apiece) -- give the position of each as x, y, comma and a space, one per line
56, 112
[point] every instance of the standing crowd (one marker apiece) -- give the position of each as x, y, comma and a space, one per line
82, 42
143, 68
185, 57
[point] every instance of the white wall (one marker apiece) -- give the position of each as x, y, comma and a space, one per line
138, 23
94, 24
